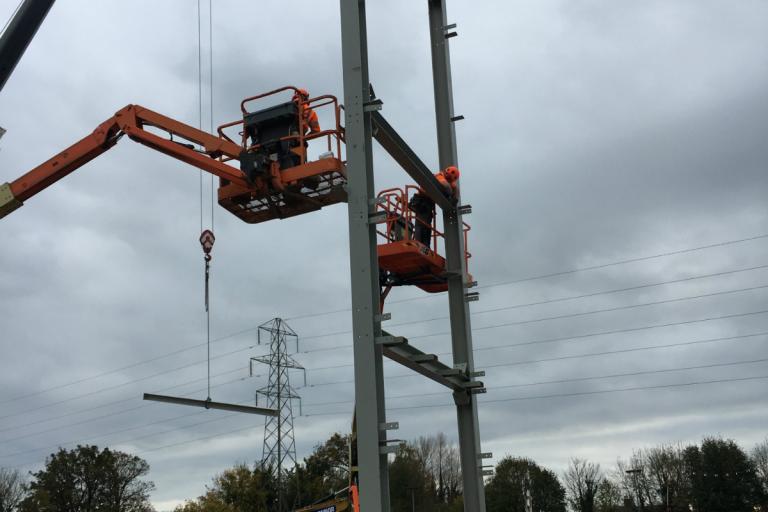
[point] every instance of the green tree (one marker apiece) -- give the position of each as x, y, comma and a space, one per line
323, 472
238, 489
505, 491
87, 479
721, 476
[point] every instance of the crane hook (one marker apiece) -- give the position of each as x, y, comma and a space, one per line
206, 240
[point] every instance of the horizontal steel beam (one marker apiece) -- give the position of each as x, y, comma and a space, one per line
398, 149
209, 404
429, 366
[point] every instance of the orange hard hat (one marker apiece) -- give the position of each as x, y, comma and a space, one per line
451, 173
301, 92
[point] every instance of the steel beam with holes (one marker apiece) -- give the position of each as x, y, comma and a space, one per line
402, 153
370, 413
461, 329
399, 350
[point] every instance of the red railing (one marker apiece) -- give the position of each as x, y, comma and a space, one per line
401, 220
334, 137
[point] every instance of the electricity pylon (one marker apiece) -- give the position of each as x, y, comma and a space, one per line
279, 448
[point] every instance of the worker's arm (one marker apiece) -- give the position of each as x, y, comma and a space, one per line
313, 124
129, 121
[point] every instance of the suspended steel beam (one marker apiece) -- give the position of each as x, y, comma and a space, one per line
20, 32
402, 153
209, 404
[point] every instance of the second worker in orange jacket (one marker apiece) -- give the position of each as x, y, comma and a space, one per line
424, 207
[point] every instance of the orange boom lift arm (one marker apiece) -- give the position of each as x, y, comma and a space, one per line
274, 178
131, 121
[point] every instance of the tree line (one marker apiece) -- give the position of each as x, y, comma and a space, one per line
716, 475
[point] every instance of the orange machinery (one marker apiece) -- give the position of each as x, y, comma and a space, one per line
273, 178
264, 174
402, 259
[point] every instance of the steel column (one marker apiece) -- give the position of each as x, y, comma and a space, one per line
20, 32
364, 265
461, 330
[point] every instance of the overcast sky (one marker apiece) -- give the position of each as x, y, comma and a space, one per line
595, 132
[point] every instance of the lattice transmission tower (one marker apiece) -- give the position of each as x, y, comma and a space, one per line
279, 448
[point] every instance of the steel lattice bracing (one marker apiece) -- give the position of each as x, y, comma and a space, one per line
279, 448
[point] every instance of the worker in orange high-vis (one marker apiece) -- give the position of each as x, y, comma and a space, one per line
424, 207
311, 123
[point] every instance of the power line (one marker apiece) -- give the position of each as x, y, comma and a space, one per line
550, 340
559, 395
428, 406
108, 404
126, 429
539, 397
597, 311
53, 446
561, 273
577, 379
633, 374
121, 385
570, 337
629, 260
635, 349
576, 356
434, 334
122, 368
482, 402
251, 329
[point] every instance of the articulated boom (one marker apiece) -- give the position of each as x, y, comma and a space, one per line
274, 179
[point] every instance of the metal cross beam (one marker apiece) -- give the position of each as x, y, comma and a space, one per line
209, 404
398, 149
399, 350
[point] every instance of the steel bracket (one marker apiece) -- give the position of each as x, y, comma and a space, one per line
472, 296
390, 340
377, 218
373, 105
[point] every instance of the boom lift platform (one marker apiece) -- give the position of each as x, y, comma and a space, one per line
274, 178
403, 260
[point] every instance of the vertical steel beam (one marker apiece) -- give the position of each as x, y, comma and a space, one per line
20, 32
461, 329
364, 265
